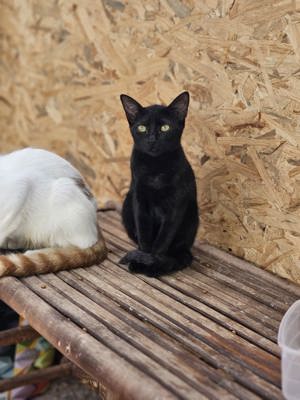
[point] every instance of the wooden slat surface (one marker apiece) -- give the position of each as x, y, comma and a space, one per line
208, 332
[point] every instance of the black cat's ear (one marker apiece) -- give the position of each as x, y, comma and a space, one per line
131, 107
180, 105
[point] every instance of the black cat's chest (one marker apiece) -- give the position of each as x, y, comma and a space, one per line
156, 185
152, 190
156, 182
159, 178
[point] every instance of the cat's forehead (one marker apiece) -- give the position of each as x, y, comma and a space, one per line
155, 112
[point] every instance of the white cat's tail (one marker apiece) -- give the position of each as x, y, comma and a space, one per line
51, 259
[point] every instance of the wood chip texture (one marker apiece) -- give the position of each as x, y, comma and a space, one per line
208, 332
64, 64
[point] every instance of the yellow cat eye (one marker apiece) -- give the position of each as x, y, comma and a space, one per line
165, 128
141, 128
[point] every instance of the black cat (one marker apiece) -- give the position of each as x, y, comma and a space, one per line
160, 211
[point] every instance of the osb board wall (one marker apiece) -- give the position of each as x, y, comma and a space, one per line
64, 63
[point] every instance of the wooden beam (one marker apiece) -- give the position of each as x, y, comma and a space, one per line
47, 374
96, 359
17, 335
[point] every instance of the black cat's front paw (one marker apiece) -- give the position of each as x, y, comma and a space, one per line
137, 256
135, 267
160, 265
140, 268
130, 256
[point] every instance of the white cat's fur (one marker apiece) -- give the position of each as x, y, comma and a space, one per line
44, 204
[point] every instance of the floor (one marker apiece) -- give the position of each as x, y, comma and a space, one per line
68, 389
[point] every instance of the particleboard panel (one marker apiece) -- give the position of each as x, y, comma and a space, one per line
64, 63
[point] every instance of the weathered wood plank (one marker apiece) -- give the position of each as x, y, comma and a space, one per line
153, 328
91, 355
218, 267
221, 297
179, 276
229, 261
225, 341
223, 294
47, 374
213, 309
235, 263
108, 286
184, 360
240, 285
223, 271
181, 332
208, 332
17, 335
123, 339
181, 292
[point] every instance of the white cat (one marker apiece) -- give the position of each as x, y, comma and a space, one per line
46, 208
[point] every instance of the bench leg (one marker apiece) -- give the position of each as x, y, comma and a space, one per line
22, 333
17, 335
47, 374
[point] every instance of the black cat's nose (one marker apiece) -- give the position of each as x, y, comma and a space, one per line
151, 138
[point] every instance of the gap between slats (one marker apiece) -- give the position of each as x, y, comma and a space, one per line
231, 262
234, 347
263, 388
111, 332
256, 322
235, 293
270, 290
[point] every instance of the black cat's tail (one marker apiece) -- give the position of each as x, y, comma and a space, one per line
156, 265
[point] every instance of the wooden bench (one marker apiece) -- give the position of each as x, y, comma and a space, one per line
208, 332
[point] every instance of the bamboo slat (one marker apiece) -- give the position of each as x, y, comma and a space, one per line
201, 333
64, 65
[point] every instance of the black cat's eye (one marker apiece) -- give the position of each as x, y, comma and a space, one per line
165, 128
142, 128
